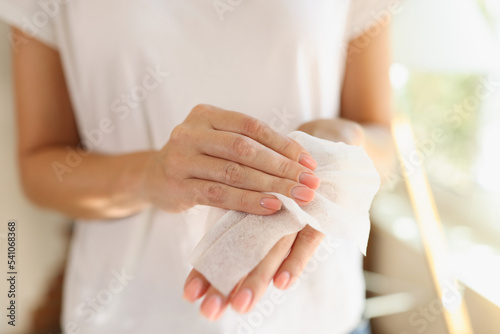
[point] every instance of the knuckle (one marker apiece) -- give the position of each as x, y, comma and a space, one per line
233, 174
243, 147
253, 127
284, 167
276, 184
199, 108
267, 133
178, 134
287, 145
200, 111
213, 192
296, 265
310, 237
245, 200
197, 197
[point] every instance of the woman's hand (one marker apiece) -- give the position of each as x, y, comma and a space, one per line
337, 130
227, 159
277, 266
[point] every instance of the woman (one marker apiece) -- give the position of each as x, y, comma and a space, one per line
125, 80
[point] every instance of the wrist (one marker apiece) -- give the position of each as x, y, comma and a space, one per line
131, 187
145, 171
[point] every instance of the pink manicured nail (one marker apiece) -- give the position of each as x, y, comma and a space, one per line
282, 280
308, 161
309, 180
242, 300
193, 289
271, 203
211, 307
302, 193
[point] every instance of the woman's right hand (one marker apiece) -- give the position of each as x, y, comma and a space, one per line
227, 159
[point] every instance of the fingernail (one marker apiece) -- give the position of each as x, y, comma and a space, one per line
211, 307
309, 180
242, 300
193, 289
271, 203
282, 280
308, 161
302, 193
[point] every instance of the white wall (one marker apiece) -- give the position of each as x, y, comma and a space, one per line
40, 237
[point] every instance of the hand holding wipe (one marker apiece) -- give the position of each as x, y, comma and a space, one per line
237, 242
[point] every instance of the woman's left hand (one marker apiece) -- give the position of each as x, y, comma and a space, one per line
337, 130
277, 266
286, 261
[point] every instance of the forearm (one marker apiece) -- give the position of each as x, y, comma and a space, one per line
92, 186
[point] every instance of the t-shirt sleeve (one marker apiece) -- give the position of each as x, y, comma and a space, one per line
33, 17
364, 14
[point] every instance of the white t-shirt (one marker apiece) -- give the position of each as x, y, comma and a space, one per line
135, 69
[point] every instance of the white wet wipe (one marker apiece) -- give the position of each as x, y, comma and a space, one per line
238, 241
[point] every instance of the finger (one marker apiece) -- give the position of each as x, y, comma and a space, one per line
248, 152
214, 304
243, 177
196, 286
231, 121
306, 243
257, 281
203, 192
